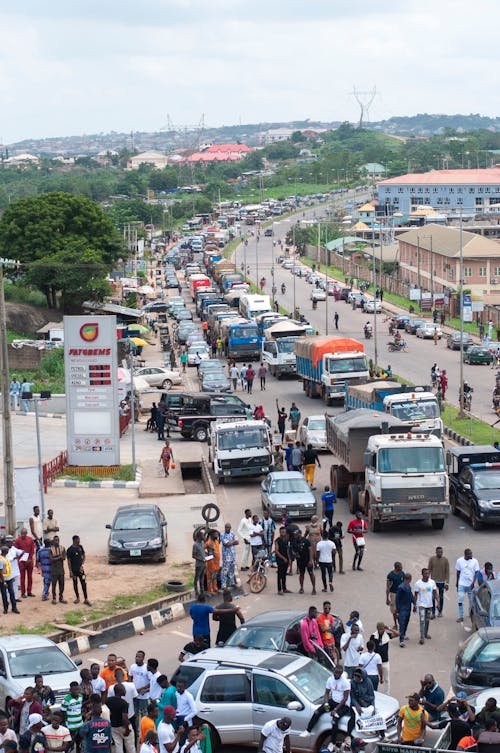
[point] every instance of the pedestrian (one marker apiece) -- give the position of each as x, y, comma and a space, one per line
259, 414
439, 569
443, 383
381, 294
490, 329
255, 537
435, 336
313, 533
467, 568
57, 736
36, 527
431, 697
442, 318
71, 706
204, 328
213, 560
310, 459
243, 373
76, 560
278, 458
326, 624
328, 500
14, 392
274, 737
50, 527
168, 736
303, 552
249, 377
244, 534
200, 566
282, 552
486, 573
294, 416
354, 619
197, 361
130, 693
281, 421
336, 319
262, 373
98, 684
166, 456
393, 581
57, 557
336, 534
288, 455
358, 527
190, 649
154, 676
27, 545
228, 541
199, 613
352, 645
108, 671
268, 532
7, 582
160, 424
140, 677
310, 633
296, 458
225, 614
233, 373
425, 592
220, 345
32, 740
184, 360
405, 600
213, 347
381, 638
185, 705
324, 554
435, 317
25, 392
96, 733
371, 662
412, 720
121, 730
44, 563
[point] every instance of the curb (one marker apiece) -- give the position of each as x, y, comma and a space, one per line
456, 437
109, 484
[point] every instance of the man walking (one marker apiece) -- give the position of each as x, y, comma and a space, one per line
467, 568
268, 531
45, 564
296, 457
394, 580
244, 529
57, 557
425, 593
310, 459
439, 569
404, 603
281, 421
281, 550
328, 499
324, 553
336, 319
249, 377
294, 417
200, 566
358, 527
234, 373
27, 545
303, 552
262, 373
76, 559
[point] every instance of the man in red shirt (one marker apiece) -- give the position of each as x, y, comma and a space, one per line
358, 528
27, 544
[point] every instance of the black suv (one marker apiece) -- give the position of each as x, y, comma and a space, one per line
477, 663
193, 414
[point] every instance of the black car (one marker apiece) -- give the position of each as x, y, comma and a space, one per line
453, 341
477, 663
138, 534
402, 320
412, 325
485, 610
268, 232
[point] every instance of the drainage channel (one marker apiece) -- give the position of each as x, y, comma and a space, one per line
193, 478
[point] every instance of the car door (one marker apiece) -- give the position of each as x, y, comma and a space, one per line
303, 431
272, 697
464, 495
481, 606
224, 701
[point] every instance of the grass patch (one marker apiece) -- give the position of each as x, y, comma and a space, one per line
125, 473
473, 428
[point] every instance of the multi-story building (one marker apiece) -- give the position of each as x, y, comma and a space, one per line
448, 191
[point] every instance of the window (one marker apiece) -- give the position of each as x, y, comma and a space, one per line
272, 692
226, 688
451, 189
460, 190
496, 271
484, 598
482, 271
472, 190
467, 271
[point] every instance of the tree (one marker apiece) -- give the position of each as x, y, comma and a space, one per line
65, 243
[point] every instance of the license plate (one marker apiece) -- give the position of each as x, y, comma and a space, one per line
293, 513
135, 552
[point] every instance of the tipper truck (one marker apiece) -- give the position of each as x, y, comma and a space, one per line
325, 364
240, 448
385, 470
418, 405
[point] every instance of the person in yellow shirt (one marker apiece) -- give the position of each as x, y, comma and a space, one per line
149, 721
412, 720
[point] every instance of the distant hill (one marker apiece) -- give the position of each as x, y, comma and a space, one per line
425, 124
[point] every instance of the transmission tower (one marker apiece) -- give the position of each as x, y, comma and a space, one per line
364, 100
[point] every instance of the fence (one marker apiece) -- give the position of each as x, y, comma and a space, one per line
52, 468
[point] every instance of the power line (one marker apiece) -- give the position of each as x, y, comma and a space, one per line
364, 100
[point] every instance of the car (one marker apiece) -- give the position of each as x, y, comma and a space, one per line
477, 663
195, 350
355, 297
236, 691
155, 306
185, 329
478, 354
317, 294
312, 278
287, 264
215, 381
183, 314
171, 282
287, 490
176, 300
371, 306
453, 341
313, 431
23, 656
138, 534
212, 365
485, 610
279, 631
344, 293
401, 321
426, 331
268, 232
412, 325
159, 376
196, 338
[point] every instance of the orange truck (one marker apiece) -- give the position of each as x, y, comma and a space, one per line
325, 364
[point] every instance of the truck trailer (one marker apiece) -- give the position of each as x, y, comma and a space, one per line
325, 364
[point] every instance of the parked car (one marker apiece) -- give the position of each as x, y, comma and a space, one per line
371, 306
185, 329
215, 381
485, 610
236, 691
317, 294
313, 431
159, 376
453, 341
426, 331
195, 350
23, 656
477, 663
478, 354
287, 264
287, 490
138, 534
412, 325
183, 314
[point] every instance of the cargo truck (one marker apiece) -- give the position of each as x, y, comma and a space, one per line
240, 448
385, 470
325, 364
418, 405
224, 265
278, 346
196, 282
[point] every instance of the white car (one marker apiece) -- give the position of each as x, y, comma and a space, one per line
371, 306
317, 294
426, 331
313, 431
201, 351
287, 264
159, 376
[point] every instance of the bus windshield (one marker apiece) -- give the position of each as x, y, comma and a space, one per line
412, 410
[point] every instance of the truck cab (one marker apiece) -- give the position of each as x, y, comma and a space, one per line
279, 355
240, 448
418, 408
474, 474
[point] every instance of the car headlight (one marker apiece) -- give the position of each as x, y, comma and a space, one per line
155, 542
115, 542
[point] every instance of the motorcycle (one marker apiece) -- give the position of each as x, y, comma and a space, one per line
397, 347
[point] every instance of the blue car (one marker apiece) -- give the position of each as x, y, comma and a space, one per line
486, 605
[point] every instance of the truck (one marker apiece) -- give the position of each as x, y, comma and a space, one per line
251, 305
278, 346
418, 405
224, 265
385, 470
474, 474
242, 341
325, 364
196, 282
240, 448
228, 279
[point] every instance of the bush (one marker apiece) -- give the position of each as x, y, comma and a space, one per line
23, 294
52, 365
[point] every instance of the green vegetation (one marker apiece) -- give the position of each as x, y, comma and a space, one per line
50, 374
477, 431
125, 473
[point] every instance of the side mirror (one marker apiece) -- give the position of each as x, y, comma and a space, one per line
78, 662
108, 525
467, 487
367, 458
295, 706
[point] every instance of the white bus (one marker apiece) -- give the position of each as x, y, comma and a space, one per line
251, 305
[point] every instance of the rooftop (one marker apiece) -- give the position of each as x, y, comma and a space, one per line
446, 241
446, 178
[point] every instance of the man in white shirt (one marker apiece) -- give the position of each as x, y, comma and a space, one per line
244, 535
425, 591
274, 736
467, 568
58, 737
155, 690
98, 684
324, 557
168, 737
186, 707
338, 700
371, 662
352, 645
139, 675
130, 693
13, 556
255, 536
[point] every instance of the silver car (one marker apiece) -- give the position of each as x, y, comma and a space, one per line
313, 431
236, 691
287, 490
426, 331
159, 376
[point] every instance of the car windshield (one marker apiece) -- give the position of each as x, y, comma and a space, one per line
345, 365
214, 377
310, 681
135, 521
241, 439
46, 660
415, 411
289, 486
317, 424
411, 460
267, 638
470, 649
285, 346
211, 366
487, 479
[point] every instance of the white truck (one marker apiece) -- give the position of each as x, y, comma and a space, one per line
278, 347
240, 448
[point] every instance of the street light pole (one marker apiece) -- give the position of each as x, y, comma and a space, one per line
461, 413
8, 457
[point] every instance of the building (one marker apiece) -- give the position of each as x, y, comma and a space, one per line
221, 153
366, 215
157, 159
276, 134
429, 258
373, 170
450, 191
21, 160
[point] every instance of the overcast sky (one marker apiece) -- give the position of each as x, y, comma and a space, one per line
86, 66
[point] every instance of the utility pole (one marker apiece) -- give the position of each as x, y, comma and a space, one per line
461, 413
8, 457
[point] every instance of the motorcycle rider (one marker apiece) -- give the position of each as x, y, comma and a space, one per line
368, 330
283, 288
397, 338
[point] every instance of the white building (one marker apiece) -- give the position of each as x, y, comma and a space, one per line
157, 159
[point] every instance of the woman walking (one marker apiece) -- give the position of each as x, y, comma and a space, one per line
166, 456
228, 541
212, 548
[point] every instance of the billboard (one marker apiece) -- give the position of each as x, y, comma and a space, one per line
91, 376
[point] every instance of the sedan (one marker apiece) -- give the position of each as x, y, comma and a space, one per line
176, 300
426, 331
412, 325
358, 298
171, 282
313, 431
402, 320
478, 354
215, 381
485, 610
371, 306
287, 490
185, 329
317, 294
155, 306
194, 351
287, 264
159, 376
453, 341
138, 533
183, 315
477, 663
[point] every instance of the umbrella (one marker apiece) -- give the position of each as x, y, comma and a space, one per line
139, 342
141, 328
123, 375
146, 290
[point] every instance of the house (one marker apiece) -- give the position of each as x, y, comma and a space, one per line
366, 215
157, 159
220, 153
373, 170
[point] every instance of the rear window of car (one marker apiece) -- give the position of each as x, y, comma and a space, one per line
188, 673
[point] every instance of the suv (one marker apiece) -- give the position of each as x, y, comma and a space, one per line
236, 691
193, 414
477, 663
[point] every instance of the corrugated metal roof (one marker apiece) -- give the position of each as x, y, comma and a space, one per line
446, 241
112, 308
446, 178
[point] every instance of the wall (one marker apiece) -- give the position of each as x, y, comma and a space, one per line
24, 358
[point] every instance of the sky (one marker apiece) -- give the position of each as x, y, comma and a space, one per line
91, 66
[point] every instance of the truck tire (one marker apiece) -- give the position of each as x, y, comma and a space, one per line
437, 525
335, 483
200, 433
373, 524
353, 498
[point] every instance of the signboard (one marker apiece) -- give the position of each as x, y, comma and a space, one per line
467, 308
90, 365
414, 294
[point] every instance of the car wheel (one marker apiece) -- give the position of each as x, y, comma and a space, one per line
437, 525
167, 384
475, 521
200, 433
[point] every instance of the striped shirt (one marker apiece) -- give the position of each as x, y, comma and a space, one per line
56, 737
72, 707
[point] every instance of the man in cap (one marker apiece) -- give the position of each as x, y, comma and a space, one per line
168, 737
412, 720
33, 740
274, 736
